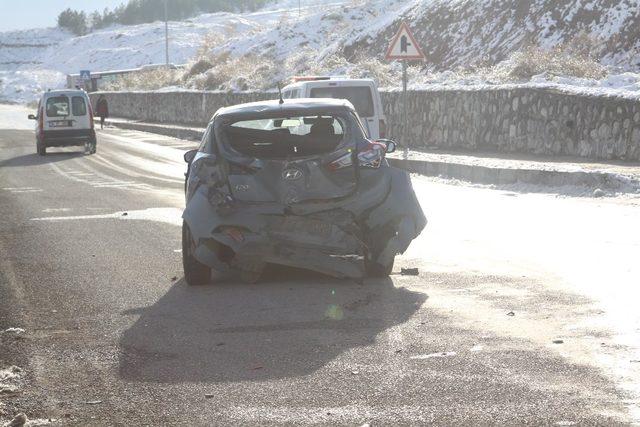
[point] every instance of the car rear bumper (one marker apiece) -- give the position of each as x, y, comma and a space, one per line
67, 137
335, 242
334, 252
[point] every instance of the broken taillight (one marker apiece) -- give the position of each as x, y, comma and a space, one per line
234, 233
341, 163
370, 156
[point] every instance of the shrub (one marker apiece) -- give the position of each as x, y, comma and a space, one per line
146, 80
533, 61
199, 67
249, 72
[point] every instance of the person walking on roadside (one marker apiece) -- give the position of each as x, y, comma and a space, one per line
102, 109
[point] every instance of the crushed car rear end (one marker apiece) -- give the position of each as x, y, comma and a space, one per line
296, 184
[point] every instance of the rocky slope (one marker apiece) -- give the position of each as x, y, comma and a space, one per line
460, 33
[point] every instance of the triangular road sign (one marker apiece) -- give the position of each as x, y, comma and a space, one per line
404, 46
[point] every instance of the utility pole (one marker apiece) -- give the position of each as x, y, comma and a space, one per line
166, 30
405, 121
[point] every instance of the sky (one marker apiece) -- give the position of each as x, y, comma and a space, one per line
24, 14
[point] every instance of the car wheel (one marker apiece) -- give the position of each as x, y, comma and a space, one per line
373, 269
195, 273
379, 240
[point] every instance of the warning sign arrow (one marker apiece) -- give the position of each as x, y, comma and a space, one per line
404, 46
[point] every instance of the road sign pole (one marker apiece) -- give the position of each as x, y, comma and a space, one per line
405, 121
404, 47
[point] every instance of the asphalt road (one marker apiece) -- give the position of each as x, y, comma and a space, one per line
113, 335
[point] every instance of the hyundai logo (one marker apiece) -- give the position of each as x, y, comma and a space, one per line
292, 174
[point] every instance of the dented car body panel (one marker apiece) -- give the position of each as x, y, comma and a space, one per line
297, 184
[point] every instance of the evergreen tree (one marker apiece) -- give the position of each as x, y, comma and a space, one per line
74, 21
143, 11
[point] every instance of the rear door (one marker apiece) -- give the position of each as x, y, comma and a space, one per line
360, 95
57, 113
80, 112
290, 160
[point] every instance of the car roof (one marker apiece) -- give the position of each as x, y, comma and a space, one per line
65, 91
298, 106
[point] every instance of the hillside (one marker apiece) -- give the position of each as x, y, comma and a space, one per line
255, 50
33, 60
459, 33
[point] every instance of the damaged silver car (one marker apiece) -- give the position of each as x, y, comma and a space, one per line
294, 183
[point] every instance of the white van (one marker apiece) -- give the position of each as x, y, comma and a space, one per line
362, 93
64, 119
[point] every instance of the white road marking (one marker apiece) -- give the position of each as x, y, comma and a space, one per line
171, 216
106, 163
433, 356
20, 190
54, 210
100, 180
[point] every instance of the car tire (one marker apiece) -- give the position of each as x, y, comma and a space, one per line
379, 240
373, 269
195, 273
94, 146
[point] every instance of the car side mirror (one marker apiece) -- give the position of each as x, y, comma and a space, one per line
32, 117
391, 145
190, 155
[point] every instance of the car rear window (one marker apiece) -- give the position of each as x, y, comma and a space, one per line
359, 96
78, 106
58, 106
286, 137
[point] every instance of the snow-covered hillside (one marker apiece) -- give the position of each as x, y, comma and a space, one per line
33, 60
459, 33
454, 34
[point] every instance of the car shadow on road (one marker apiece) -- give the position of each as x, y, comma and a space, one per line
278, 329
35, 159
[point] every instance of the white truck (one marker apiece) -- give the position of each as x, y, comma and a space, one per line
362, 93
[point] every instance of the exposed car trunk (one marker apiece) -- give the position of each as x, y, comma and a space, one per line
291, 163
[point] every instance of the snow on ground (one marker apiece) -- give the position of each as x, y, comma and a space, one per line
15, 117
24, 86
35, 60
333, 26
10, 380
561, 249
626, 85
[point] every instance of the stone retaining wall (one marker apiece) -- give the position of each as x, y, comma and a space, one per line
515, 120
